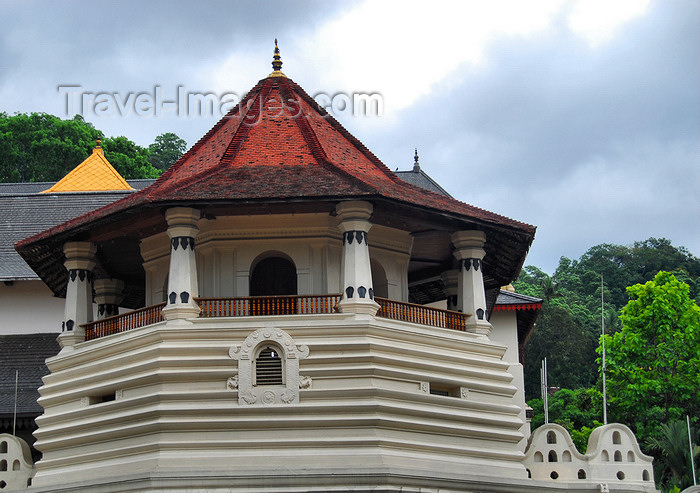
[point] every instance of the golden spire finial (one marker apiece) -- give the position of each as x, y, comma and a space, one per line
277, 63
98, 147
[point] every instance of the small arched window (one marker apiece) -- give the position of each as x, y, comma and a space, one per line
3, 447
551, 437
3, 465
645, 475
581, 474
616, 438
15, 465
604, 456
566, 456
552, 456
538, 457
630, 456
268, 367
618, 456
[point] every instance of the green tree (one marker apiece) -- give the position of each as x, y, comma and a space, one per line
129, 159
40, 147
671, 448
653, 362
166, 150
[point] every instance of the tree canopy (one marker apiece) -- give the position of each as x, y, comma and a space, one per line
166, 149
653, 363
39, 147
569, 325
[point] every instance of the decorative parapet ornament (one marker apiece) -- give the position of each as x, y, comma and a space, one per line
268, 368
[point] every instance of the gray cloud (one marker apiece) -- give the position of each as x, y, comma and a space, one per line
592, 145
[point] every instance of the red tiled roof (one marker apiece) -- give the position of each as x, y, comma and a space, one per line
263, 149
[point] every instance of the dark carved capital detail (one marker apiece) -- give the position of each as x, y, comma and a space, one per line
467, 264
350, 236
182, 241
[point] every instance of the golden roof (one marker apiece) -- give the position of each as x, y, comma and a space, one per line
92, 175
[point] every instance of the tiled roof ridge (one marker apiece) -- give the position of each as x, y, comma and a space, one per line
311, 138
261, 89
357, 143
205, 138
212, 131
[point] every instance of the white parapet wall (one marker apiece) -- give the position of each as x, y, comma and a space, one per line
16, 466
613, 459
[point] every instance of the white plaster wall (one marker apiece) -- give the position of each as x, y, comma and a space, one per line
16, 466
505, 332
28, 307
229, 246
367, 406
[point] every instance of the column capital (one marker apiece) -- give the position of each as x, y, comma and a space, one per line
182, 221
354, 215
469, 244
80, 255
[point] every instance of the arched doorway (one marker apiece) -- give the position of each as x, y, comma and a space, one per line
379, 281
275, 279
273, 276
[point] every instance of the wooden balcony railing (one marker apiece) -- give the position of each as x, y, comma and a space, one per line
420, 314
268, 305
277, 305
126, 321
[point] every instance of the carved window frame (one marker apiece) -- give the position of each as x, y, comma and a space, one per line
250, 394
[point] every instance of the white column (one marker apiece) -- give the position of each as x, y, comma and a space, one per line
358, 292
471, 296
80, 261
108, 295
451, 280
182, 279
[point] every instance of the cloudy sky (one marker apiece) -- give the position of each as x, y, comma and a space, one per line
580, 117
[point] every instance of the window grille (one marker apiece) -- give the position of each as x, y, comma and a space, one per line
268, 367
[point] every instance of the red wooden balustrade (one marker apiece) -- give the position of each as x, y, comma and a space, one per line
420, 314
277, 305
268, 305
126, 321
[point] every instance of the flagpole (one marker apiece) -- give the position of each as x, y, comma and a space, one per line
545, 393
690, 444
602, 328
14, 417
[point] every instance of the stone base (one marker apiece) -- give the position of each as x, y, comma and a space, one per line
70, 338
480, 327
356, 479
181, 311
364, 307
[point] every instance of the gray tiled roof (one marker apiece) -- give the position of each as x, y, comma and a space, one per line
25, 354
25, 211
510, 298
421, 179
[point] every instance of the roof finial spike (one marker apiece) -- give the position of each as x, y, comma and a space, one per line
98, 147
277, 63
416, 165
